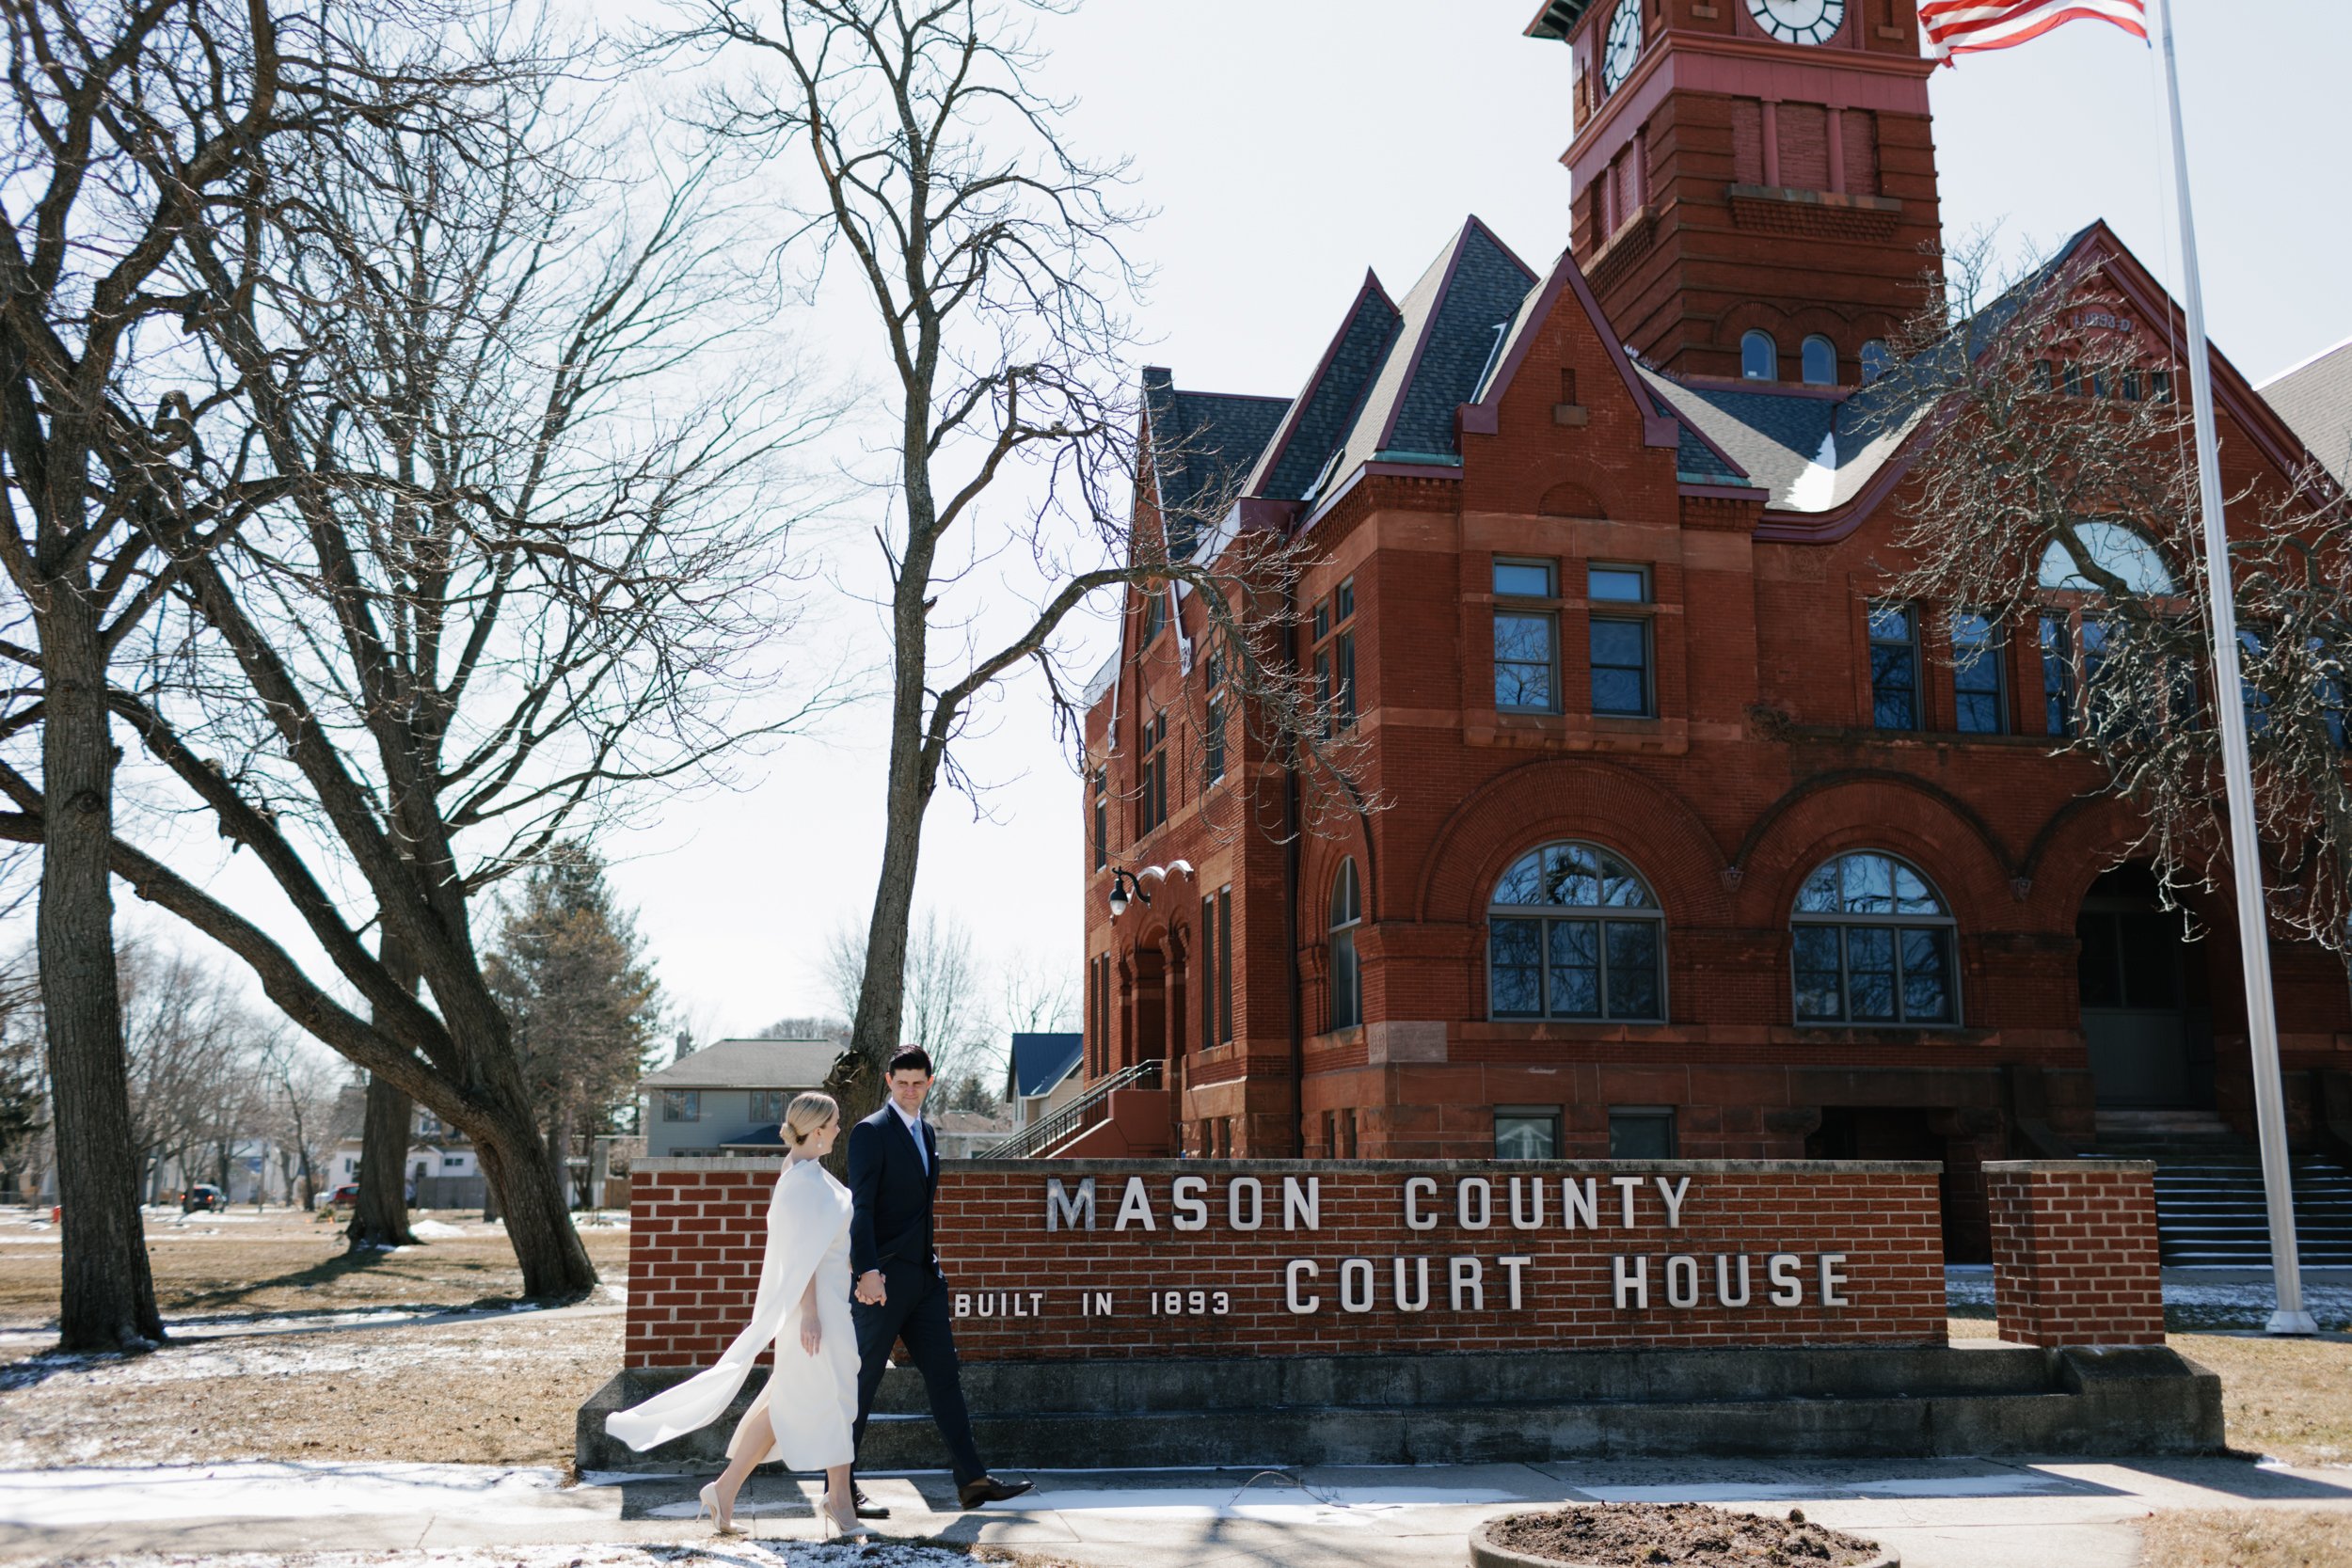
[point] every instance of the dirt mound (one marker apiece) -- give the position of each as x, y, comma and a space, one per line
1646, 1535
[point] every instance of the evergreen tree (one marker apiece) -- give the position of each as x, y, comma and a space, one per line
585, 1009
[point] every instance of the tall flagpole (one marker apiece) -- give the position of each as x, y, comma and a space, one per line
2253, 924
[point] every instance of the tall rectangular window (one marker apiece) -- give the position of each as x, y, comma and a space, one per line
1527, 636
1978, 686
1207, 940
1620, 645
1224, 964
1153, 775
1894, 667
1213, 741
1335, 659
2058, 683
1102, 818
1343, 676
1641, 1132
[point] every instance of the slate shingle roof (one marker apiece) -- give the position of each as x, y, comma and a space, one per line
1322, 413
1202, 445
2316, 398
1483, 292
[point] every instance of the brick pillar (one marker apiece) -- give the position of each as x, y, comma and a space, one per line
2075, 1257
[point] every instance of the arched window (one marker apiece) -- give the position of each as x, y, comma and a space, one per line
1573, 932
1877, 359
1820, 363
1347, 980
1760, 358
2117, 549
1873, 944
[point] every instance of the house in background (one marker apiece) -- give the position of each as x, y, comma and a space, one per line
441, 1171
729, 1096
969, 1134
1041, 1076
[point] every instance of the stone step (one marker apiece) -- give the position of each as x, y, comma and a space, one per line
1981, 1399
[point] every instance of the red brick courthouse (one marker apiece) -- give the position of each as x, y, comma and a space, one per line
1693, 845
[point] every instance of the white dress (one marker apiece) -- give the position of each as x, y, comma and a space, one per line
811, 1399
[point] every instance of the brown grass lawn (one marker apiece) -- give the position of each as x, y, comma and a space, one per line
2267, 1539
265, 1364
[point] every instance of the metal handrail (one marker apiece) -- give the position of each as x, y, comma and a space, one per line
1031, 1141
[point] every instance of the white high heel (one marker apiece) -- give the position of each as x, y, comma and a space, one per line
855, 1529
710, 1496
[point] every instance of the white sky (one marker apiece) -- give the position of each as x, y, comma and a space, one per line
1289, 144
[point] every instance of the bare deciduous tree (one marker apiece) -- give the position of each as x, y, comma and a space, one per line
944, 192
2058, 500
517, 574
946, 1002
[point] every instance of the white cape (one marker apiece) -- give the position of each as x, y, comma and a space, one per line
812, 1399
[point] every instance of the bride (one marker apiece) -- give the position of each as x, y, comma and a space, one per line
804, 1415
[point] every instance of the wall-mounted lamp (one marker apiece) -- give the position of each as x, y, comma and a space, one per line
1128, 887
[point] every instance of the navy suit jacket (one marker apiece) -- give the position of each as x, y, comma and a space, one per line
890, 1192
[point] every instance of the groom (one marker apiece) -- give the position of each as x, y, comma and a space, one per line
899, 1294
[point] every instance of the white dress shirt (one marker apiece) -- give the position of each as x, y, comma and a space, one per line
915, 1131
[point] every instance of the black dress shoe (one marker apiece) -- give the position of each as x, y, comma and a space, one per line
988, 1489
866, 1507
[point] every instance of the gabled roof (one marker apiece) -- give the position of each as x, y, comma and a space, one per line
1041, 1062
2316, 398
1452, 325
1201, 445
1322, 414
749, 1065
1820, 455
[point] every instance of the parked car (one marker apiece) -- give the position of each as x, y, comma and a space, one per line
345, 1196
204, 1197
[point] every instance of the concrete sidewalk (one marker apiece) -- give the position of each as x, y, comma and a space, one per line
1938, 1513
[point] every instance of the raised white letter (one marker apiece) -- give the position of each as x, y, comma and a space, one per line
1302, 1201
1300, 1270
1578, 1201
1136, 1206
1722, 1279
1832, 1279
1415, 1187
1485, 1191
1780, 1271
1355, 1284
1627, 1186
1185, 1198
1531, 1222
1683, 1281
1256, 1190
1466, 1276
1632, 1279
1510, 1267
1062, 1210
1673, 1196
1420, 1302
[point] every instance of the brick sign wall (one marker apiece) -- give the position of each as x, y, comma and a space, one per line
1106, 1260
2075, 1252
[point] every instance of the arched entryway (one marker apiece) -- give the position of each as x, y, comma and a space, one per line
2145, 1001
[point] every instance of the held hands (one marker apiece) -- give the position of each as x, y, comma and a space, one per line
869, 1290
812, 1334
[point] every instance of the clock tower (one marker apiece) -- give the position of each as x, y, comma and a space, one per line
1754, 179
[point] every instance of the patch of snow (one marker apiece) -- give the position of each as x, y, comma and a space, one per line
1815, 490
1698, 1493
435, 1229
72, 1499
739, 1550
30, 1240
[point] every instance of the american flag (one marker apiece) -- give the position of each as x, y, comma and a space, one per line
1966, 26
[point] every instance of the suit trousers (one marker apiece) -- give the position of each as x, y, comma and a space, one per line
917, 1312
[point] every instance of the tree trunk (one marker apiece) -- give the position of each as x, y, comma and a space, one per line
882, 990
107, 1299
524, 1185
380, 1217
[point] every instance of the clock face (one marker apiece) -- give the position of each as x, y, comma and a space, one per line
1624, 47
1799, 21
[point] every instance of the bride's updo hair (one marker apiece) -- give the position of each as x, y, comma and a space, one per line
806, 1116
